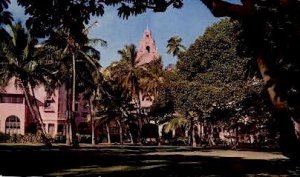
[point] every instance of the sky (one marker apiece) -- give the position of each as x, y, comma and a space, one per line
188, 22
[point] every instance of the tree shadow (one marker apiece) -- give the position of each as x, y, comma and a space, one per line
135, 161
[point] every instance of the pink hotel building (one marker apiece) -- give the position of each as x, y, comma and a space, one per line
14, 114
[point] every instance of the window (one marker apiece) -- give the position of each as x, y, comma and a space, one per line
148, 49
18, 99
61, 128
51, 129
12, 125
48, 106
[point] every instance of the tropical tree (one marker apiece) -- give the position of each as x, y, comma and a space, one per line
5, 16
273, 38
127, 73
273, 41
152, 80
5, 19
116, 103
21, 60
60, 49
174, 46
211, 81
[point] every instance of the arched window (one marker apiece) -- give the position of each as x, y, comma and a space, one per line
12, 125
148, 49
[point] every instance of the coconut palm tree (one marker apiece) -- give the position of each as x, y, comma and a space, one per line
21, 60
5, 19
186, 120
152, 80
128, 73
61, 48
174, 46
115, 104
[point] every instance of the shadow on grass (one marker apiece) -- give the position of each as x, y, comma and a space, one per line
134, 161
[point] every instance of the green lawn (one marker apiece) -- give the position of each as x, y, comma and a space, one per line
130, 161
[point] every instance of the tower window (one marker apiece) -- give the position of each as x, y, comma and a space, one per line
147, 35
148, 49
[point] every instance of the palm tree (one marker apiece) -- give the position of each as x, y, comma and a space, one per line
62, 48
152, 80
5, 19
187, 120
21, 60
128, 73
174, 46
115, 103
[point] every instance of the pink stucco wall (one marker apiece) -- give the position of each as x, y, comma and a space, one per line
8, 109
50, 116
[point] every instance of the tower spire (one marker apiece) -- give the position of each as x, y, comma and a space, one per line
147, 51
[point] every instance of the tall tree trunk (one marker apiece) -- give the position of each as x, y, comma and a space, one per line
193, 134
289, 126
127, 126
34, 111
92, 114
69, 115
237, 139
211, 140
270, 82
120, 131
108, 133
140, 124
38, 113
73, 123
130, 134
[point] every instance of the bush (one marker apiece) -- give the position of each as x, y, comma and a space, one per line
26, 139
3, 137
85, 138
60, 138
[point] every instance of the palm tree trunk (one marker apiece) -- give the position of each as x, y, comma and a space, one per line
120, 131
68, 125
73, 123
34, 111
38, 113
127, 126
130, 134
140, 124
108, 134
92, 114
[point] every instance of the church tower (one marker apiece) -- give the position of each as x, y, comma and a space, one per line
147, 50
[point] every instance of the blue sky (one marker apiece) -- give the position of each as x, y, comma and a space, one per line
188, 22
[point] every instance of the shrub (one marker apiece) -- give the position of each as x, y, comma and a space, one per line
60, 138
3, 137
26, 139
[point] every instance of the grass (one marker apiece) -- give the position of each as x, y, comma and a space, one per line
131, 161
